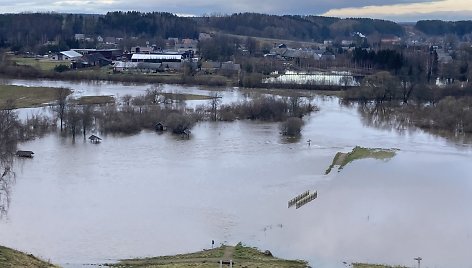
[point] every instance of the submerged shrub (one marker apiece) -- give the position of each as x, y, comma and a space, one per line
292, 127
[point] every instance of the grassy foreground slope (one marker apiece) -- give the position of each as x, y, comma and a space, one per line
10, 258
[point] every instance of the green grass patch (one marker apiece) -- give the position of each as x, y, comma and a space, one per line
25, 97
94, 100
13, 258
40, 64
342, 159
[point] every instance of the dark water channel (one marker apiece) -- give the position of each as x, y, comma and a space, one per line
151, 194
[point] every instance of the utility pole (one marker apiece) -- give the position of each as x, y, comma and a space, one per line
419, 261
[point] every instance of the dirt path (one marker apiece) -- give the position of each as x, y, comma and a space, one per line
228, 254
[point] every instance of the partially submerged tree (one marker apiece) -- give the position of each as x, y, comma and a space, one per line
178, 123
292, 127
9, 126
61, 103
86, 114
214, 103
72, 118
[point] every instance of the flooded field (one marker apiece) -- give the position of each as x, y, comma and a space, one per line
151, 194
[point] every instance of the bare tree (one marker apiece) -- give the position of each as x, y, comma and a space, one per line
214, 103
9, 125
87, 118
72, 118
292, 127
127, 99
60, 108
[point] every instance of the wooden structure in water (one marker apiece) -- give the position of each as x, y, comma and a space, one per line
302, 199
306, 200
298, 198
95, 139
26, 154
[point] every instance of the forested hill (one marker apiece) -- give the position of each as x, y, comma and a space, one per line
30, 29
439, 27
297, 27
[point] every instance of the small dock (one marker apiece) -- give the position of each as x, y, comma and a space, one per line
25, 154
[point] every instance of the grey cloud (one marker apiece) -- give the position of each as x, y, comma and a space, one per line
304, 7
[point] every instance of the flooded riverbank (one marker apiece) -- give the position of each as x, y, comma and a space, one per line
151, 194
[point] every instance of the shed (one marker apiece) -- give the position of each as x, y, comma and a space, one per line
160, 127
94, 139
28, 154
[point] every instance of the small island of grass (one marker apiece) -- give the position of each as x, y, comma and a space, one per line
242, 256
342, 159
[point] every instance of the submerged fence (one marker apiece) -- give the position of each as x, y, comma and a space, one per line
302, 199
298, 198
306, 200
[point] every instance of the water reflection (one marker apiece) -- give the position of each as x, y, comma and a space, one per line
8, 141
396, 118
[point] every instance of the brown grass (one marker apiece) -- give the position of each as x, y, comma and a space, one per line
25, 97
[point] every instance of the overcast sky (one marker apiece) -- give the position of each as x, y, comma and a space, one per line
398, 10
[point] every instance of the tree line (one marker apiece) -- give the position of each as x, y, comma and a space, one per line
439, 27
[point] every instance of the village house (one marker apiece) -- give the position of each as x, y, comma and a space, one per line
186, 45
210, 67
110, 40
142, 50
204, 36
390, 40
79, 37
443, 57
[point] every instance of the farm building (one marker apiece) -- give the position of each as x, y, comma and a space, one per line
156, 58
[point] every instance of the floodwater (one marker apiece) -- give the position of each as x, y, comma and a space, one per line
150, 194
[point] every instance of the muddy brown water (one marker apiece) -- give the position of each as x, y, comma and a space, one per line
150, 194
